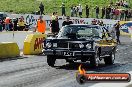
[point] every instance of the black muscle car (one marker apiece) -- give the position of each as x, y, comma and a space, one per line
81, 42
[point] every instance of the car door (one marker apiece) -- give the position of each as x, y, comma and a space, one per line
105, 42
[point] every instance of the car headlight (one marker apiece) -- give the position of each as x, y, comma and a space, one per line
88, 46
81, 45
48, 45
54, 44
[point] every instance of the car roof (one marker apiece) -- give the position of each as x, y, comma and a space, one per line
83, 25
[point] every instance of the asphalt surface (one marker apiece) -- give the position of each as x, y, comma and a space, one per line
33, 71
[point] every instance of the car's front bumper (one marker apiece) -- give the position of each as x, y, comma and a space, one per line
71, 53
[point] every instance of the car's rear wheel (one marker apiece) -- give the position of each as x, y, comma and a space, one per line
94, 61
51, 60
110, 59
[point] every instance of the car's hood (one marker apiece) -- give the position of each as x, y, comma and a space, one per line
79, 40
69, 39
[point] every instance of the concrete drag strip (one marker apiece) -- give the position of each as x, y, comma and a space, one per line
22, 78
129, 84
69, 80
64, 81
13, 66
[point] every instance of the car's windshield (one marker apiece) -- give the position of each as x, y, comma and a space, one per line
82, 31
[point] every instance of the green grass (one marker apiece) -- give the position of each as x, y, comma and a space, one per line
29, 6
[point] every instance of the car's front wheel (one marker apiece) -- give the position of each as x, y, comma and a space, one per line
110, 59
51, 60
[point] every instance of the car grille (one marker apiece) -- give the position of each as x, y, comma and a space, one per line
63, 45
71, 45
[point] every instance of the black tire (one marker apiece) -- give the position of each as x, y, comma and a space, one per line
93, 61
51, 60
110, 59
